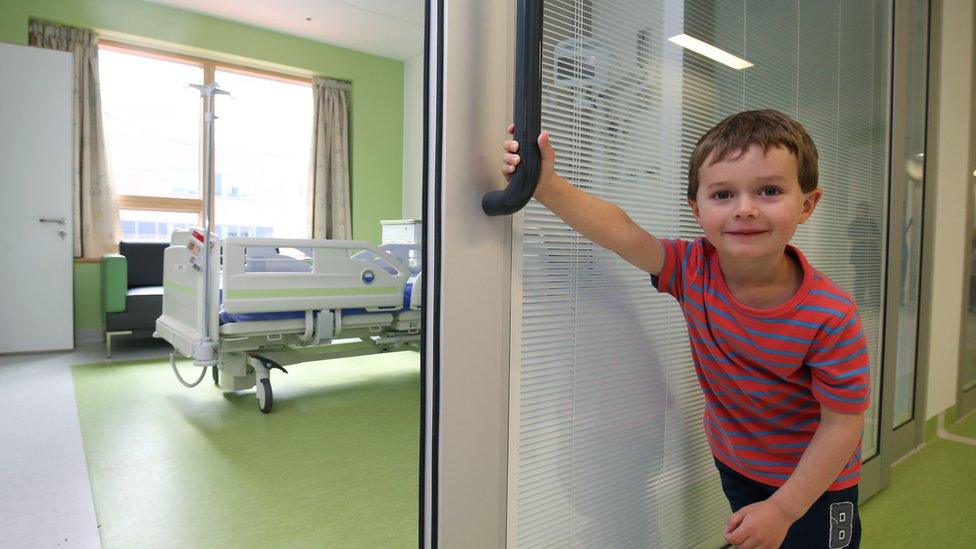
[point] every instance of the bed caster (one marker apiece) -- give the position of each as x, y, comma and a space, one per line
262, 366
265, 397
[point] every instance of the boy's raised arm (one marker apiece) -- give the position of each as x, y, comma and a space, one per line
600, 221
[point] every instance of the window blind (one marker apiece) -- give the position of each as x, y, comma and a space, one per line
611, 451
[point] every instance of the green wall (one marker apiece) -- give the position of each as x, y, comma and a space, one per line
376, 103
88, 296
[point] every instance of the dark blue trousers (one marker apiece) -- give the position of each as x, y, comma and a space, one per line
832, 522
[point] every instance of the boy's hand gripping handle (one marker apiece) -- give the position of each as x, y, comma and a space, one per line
528, 113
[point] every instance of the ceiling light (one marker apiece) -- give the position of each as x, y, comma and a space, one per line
710, 51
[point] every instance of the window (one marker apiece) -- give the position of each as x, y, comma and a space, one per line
155, 225
153, 133
263, 143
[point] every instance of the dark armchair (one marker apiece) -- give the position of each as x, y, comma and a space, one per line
132, 289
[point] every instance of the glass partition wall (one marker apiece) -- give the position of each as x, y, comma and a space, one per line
611, 450
910, 169
902, 428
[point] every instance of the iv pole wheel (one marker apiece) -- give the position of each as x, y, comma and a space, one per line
215, 373
265, 397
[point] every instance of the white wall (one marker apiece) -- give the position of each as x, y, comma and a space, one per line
952, 174
413, 138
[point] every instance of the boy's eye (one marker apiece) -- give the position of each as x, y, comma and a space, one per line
769, 191
722, 195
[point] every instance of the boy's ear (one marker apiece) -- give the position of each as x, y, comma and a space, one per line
810, 201
693, 204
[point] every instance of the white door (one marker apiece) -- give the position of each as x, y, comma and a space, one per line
35, 200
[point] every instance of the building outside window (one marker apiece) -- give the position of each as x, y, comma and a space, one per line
153, 133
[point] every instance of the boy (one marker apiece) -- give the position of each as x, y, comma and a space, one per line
778, 347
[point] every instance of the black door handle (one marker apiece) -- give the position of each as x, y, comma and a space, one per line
528, 113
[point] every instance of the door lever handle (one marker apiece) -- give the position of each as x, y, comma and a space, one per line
59, 220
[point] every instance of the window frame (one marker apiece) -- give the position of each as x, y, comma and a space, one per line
209, 66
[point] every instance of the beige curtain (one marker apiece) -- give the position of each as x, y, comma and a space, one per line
97, 228
329, 204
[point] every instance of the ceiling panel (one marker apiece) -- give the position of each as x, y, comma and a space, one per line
390, 28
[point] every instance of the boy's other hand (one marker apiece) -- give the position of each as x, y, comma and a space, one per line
511, 159
758, 526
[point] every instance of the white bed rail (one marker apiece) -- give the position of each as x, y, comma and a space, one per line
335, 280
407, 254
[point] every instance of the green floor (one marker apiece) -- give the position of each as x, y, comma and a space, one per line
335, 464
966, 427
931, 500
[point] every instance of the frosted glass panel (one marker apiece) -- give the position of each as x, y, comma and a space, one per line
611, 451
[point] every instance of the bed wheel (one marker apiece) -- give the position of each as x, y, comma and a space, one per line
265, 398
215, 373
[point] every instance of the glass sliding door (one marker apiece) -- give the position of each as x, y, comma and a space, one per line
610, 449
913, 165
902, 428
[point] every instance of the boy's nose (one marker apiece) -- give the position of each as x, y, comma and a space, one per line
745, 208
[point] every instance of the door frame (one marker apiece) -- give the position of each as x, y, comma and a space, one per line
468, 262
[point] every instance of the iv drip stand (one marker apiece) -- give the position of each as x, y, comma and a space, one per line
205, 350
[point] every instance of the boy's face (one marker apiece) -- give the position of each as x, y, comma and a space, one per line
750, 205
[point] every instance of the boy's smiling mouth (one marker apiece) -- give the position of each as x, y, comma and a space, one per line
746, 232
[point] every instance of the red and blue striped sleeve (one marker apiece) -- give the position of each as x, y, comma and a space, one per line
840, 364
670, 279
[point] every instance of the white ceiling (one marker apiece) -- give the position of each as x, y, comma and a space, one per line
389, 28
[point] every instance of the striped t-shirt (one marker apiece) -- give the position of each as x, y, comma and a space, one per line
766, 372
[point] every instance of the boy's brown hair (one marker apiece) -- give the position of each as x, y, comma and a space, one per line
766, 128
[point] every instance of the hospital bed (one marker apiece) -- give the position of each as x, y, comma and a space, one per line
271, 303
